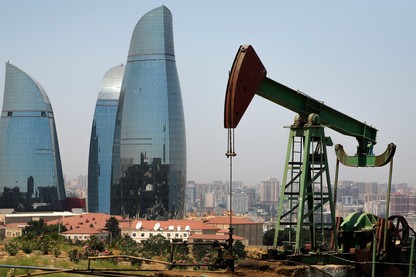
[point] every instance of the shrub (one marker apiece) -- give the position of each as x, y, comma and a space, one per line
182, 259
74, 255
129, 247
155, 246
12, 248
45, 244
238, 249
92, 248
204, 254
27, 247
96, 244
56, 252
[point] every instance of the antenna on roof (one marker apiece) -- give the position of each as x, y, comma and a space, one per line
178, 228
139, 225
157, 226
171, 227
187, 228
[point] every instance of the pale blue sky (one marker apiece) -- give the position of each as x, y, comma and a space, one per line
357, 56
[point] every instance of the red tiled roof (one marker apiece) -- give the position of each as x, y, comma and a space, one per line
226, 220
85, 230
96, 220
16, 224
214, 237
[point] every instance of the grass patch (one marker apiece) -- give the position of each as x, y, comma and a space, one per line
50, 261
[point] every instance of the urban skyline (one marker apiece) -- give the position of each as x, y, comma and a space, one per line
362, 67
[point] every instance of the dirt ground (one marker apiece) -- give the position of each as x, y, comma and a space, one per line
251, 267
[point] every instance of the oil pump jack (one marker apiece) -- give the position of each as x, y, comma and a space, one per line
306, 188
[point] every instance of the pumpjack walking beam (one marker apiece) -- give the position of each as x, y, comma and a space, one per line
304, 193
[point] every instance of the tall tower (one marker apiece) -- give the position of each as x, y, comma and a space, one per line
149, 154
31, 176
269, 190
101, 142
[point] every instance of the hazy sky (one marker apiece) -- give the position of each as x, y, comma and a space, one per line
359, 57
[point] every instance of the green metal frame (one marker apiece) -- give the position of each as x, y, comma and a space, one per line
308, 189
305, 105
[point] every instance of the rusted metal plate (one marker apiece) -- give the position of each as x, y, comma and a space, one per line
246, 76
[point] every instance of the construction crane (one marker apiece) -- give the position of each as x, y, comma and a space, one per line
306, 188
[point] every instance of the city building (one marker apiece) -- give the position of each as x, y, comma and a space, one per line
348, 192
31, 176
371, 188
172, 229
269, 191
210, 199
149, 152
252, 197
239, 202
12, 224
76, 187
101, 142
399, 203
84, 233
190, 196
214, 198
242, 227
82, 226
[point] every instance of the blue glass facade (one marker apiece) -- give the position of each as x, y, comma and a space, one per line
101, 142
149, 154
30, 165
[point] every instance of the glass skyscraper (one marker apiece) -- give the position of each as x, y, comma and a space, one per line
101, 142
149, 154
30, 165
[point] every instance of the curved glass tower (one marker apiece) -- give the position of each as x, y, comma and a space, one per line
101, 142
30, 165
149, 155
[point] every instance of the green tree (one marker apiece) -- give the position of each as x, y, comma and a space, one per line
181, 251
155, 246
45, 243
113, 227
34, 228
130, 247
268, 237
181, 254
238, 249
37, 235
12, 248
96, 244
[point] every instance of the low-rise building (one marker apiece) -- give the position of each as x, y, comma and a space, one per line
242, 227
83, 233
172, 229
83, 226
12, 230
